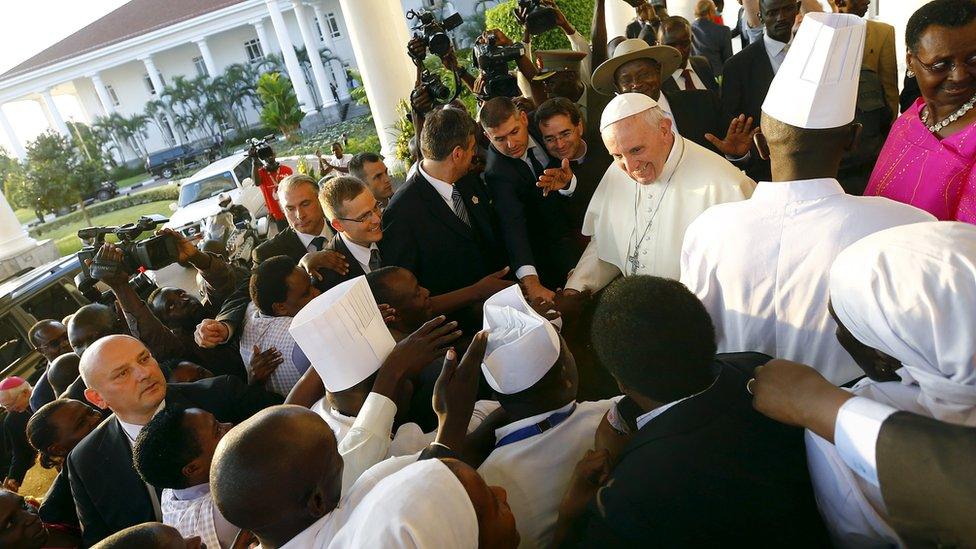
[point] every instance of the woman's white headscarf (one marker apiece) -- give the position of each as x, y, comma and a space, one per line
423, 505
910, 292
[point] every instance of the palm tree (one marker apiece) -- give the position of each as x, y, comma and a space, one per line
155, 110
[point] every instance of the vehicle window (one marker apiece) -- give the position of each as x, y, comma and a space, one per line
243, 171
54, 302
205, 188
13, 344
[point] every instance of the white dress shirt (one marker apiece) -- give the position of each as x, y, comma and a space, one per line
646, 417
535, 472
443, 188
693, 178
761, 267
359, 253
679, 77
776, 51
307, 238
193, 513
132, 431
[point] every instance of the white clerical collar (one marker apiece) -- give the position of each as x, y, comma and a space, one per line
443, 188
193, 492
502, 432
582, 156
797, 191
644, 419
361, 253
307, 238
131, 429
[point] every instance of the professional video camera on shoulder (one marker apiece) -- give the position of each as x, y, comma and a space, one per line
261, 149
152, 253
539, 17
493, 60
434, 32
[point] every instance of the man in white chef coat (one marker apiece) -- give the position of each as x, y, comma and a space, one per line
534, 376
659, 183
760, 266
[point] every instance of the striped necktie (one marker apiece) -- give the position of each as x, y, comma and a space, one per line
375, 262
459, 209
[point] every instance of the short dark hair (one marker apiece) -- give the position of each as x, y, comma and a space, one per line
40, 324
41, 431
62, 372
359, 161
556, 106
164, 447
496, 111
445, 130
944, 13
655, 337
673, 22
337, 190
380, 284
268, 283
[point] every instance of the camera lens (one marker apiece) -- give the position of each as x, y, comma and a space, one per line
440, 44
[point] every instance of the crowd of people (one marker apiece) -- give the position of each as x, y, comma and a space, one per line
643, 304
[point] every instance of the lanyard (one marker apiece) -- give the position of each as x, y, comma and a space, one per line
538, 428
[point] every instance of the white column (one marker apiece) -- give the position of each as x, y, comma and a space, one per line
388, 74
14, 239
335, 65
52, 112
295, 73
12, 136
153, 72
266, 46
208, 59
312, 48
102, 92
618, 14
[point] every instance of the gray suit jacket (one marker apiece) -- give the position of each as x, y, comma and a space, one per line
711, 41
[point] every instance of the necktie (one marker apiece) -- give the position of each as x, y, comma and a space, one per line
689, 82
459, 208
375, 262
317, 243
537, 167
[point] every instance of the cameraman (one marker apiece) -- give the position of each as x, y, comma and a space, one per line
165, 322
526, 70
266, 172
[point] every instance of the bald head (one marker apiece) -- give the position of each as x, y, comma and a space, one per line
288, 455
63, 372
89, 323
121, 375
149, 535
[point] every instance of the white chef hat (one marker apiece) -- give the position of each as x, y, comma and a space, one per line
343, 334
624, 105
816, 86
522, 345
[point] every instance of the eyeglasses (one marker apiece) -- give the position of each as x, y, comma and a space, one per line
942, 67
366, 216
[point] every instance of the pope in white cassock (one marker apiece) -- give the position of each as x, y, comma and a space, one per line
760, 266
659, 183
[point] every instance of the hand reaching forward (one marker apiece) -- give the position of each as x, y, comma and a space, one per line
555, 179
738, 138
456, 390
324, 259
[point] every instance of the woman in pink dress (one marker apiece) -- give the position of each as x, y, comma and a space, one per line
928, 158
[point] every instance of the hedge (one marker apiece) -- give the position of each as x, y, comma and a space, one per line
166, 192
579, 13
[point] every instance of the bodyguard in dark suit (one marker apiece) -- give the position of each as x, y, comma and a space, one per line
748, 74
440, 225
701, 468
711, 41
122, 376
542, 239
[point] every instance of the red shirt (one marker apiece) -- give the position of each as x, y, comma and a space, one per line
269, 187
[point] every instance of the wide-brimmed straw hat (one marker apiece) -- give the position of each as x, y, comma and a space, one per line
634, 48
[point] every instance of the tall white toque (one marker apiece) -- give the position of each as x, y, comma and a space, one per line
816, 86
343, 334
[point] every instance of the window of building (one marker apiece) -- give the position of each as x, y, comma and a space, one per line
200, 66
253, 49
333, 25
149, 85
167, 128
318, 29
112, 95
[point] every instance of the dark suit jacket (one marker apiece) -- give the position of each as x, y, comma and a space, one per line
22, 454
711, 41
538, 230
109, 495
926, 471
42, 393
709, 472
704, 71
331, 278
697, 112
745, 81
284, 243
422, 234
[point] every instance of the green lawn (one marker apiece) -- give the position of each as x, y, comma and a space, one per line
25, 215
130, 181
66, 237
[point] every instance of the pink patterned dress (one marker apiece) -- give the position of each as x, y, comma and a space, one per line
918, 168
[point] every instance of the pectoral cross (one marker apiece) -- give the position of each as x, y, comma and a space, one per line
634, 262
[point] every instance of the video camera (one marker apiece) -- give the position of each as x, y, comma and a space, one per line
260, 149
152, 253
434, 32
538, 17
493, 60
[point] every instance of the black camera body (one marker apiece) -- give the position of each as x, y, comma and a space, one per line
434, 32
152, 253
438, 92
493, 61
538, 18
262, 148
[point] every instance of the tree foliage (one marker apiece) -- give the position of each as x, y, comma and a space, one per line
579, 13
58, 173
280, 108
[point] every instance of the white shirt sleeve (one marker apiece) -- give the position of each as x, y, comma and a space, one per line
570, 189
591, 273
578, 43
856, 435
368, 440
